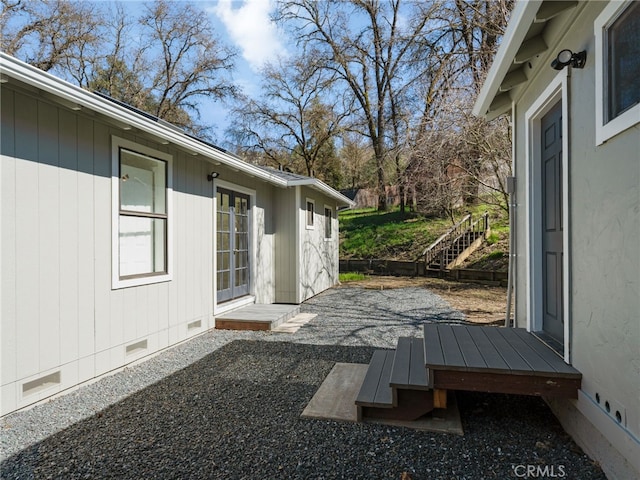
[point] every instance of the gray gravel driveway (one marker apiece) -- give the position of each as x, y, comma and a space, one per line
227, 405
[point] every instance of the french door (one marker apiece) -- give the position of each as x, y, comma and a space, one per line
232, 245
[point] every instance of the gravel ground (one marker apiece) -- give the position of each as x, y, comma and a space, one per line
227, 405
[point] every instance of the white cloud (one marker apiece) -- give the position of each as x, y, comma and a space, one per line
251, 29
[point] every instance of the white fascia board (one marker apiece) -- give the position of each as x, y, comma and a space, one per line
521, 19
324, 188
25, 73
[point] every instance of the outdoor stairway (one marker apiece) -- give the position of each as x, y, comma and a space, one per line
453, 247
413, 380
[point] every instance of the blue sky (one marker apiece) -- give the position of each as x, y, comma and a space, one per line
244, 24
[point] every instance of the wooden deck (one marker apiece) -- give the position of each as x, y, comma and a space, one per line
498, 360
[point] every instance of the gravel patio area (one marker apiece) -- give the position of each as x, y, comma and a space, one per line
227, 405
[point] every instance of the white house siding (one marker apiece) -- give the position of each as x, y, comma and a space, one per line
62, 323
318, 268
604, 258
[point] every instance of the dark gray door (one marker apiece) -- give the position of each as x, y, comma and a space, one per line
552, 224
232, 240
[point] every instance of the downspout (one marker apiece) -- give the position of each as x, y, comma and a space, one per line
511, 190
511, 183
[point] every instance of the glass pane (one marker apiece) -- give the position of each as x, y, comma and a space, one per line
309, 214
327, 223
624, 61
223, 222
222, 242
223, 201
142, 245
226, 261
223, 282
143, 183
240, 277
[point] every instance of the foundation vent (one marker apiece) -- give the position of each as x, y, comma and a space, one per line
137, 347
42, 383
194, 325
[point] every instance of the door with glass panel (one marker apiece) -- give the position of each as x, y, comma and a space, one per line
232, 245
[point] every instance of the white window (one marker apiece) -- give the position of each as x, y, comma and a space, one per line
141, 214
311, 207
617, 31
328, 220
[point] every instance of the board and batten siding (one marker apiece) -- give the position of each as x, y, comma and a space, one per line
286, 249
62, 323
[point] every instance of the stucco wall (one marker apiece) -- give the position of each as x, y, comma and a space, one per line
604, 259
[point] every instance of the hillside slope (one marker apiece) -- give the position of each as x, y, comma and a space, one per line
392, 235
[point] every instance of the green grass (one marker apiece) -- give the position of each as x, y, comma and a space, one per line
367, 233
351, 277
371, 234
493, 237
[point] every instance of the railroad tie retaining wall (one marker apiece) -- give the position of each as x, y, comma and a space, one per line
418, 269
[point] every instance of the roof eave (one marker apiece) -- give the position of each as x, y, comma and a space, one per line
522, 17
324, 188
78, 99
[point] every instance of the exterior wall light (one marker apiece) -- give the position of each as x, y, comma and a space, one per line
567, 57
212, 175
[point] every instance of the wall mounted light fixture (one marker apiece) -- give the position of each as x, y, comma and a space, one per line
212, 175
567, 57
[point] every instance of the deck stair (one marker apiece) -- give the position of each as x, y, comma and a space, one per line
454, 246
396, 384
413, 380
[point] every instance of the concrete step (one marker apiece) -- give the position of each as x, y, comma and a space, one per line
257, 317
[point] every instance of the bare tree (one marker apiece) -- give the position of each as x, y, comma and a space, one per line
51, 35
368, 44
163, 62
479, 152
357, 159
192, 64
298, 113
439, 172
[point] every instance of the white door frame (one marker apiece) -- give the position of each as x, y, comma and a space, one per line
247, 300
557, 90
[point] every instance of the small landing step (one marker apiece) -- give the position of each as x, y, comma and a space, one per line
257, 317
496, 360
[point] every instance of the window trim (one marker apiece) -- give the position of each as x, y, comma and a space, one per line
117, 144
328, 220
309, 201
606, 130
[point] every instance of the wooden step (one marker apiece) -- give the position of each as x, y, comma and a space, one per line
408, 370
379, 399
376, 390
